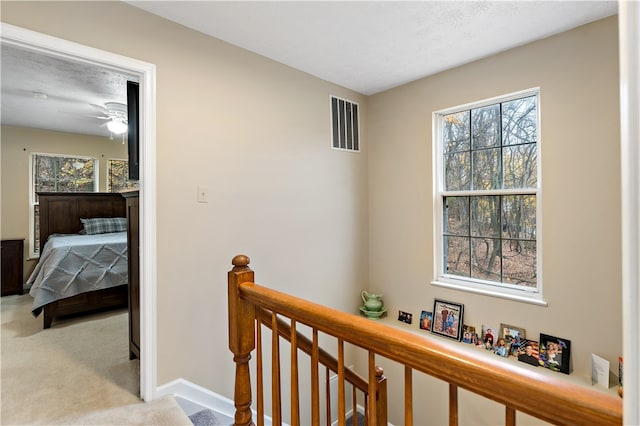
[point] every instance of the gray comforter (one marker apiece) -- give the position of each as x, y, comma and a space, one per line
73, 264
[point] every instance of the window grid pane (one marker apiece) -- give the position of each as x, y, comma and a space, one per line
494, 147
54, 173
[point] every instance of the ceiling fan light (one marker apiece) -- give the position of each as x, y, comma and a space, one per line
116, 127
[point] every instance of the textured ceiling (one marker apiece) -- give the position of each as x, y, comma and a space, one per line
371, 46
47, 92
367, 46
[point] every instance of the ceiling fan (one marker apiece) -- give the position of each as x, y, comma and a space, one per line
117, 115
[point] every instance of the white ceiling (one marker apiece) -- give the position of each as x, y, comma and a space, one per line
371, 46
366, 46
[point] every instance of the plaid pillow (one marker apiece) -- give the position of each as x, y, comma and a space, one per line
104, 225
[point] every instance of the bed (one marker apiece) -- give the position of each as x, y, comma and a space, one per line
79, 273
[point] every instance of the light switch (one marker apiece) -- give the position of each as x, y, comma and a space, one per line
203, 194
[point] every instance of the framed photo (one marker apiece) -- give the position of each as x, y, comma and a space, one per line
555, 353
501, 347
489, 337
468, 331
405, 317
529, 352
426, 319
513, 337
447, 319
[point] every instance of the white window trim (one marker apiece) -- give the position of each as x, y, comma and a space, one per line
515, 293
32, 200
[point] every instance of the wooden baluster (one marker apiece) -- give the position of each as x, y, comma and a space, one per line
295, 391
510, 416
373, 387
327, 405
315, 381
354, 406
259, 370
241, 337
453, 405
276, 404
408, 396
366, 409
342, 421
381, 397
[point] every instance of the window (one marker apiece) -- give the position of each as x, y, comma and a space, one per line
488, 196
118, 176
344, 125
58, 173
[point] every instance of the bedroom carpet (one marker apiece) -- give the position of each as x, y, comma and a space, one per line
79, 366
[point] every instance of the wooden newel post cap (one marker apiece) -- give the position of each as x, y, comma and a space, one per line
240, 261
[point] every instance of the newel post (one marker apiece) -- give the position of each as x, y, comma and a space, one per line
241, 337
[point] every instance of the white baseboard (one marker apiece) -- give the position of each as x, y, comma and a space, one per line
202, 397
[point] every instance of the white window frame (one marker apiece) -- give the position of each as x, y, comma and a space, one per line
506, 291
32, 195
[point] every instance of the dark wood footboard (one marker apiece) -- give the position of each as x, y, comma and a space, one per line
93, 301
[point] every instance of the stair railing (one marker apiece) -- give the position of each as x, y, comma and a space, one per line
518, 389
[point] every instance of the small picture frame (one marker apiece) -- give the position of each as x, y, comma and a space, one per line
426, 319
501, 347
529, 352
468, 331
489, 337
405, 317
555, 353
447, 319
513, 337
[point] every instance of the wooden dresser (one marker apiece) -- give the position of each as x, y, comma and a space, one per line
133, 256
12, 266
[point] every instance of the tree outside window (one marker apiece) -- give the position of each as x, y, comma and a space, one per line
59, 173
488, 190
118, 176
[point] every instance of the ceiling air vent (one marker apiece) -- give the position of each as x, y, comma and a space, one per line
344, 125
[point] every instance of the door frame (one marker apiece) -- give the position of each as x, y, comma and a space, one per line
71, 51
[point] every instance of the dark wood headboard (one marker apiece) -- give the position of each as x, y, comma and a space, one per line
60, 212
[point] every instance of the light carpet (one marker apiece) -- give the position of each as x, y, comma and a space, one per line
79, 366
163, 411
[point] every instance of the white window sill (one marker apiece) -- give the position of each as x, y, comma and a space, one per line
515, 295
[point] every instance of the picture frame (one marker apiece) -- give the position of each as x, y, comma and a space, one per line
447, 319
555, 353
529, 352
405, 317
488, 337
513, 337
426, 319
468, 331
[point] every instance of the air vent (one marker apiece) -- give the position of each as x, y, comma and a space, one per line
344, 125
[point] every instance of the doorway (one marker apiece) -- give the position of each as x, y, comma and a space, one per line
63, 49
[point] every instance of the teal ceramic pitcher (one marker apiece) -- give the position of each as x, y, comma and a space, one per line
372, 302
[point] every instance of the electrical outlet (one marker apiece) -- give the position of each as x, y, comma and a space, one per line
203, 194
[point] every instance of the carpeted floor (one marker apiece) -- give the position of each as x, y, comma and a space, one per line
161, 412
80, 365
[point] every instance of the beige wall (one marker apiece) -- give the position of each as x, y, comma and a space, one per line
17, 144
257, 134
577, 73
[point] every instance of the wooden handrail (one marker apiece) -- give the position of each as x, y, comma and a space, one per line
551, 399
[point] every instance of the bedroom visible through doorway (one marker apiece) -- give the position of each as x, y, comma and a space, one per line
16, 37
